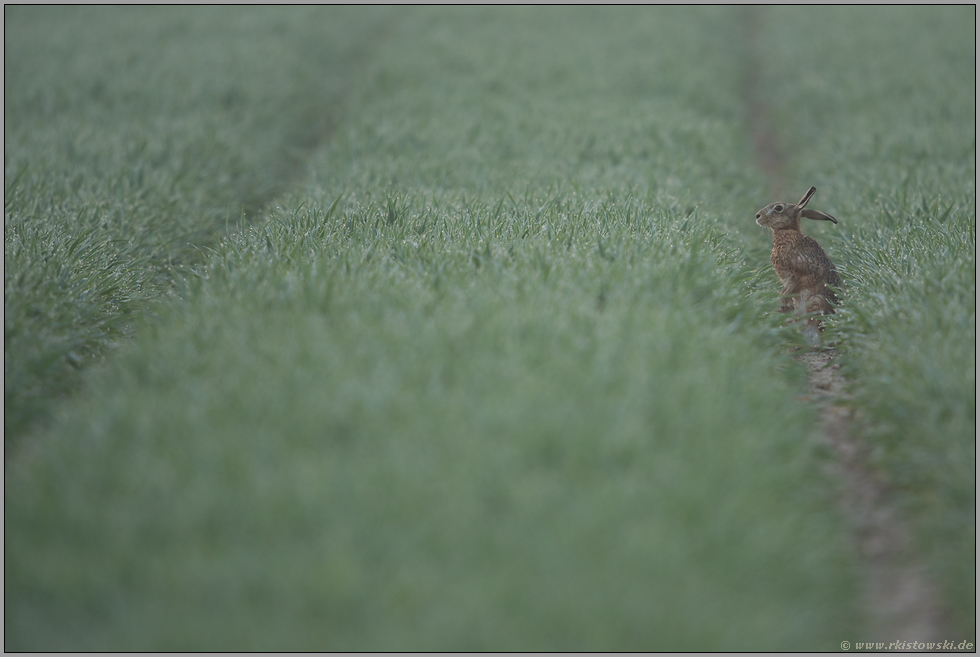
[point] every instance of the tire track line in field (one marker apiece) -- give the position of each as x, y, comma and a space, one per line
319, 122
898, 600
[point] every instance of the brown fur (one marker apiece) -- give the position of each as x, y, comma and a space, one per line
802, 266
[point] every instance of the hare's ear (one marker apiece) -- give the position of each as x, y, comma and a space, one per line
817, 214
806, 197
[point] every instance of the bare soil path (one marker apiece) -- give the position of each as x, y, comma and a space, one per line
899, 601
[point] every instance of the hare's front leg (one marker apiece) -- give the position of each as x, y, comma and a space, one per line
788, 298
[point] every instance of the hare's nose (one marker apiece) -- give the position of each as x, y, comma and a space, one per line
758, 215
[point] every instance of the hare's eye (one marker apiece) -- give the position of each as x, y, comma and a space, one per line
778, 208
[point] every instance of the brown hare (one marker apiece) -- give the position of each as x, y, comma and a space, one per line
802, 266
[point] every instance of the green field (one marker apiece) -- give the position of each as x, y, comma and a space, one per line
451, 329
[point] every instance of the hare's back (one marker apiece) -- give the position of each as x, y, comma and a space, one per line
799, 256
834, 278
815, 260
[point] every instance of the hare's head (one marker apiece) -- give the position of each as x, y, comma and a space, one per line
781, 215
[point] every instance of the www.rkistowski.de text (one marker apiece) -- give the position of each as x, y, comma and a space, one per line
909, 645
